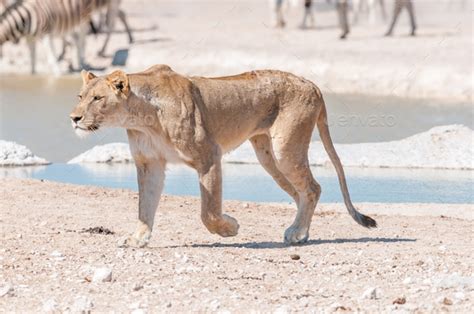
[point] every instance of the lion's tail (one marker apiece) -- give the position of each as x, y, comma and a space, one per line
322, 124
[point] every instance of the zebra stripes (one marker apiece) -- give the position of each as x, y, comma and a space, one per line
34, 19
40, 17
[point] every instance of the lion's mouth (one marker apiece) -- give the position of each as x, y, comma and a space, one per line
90, 128
85, 131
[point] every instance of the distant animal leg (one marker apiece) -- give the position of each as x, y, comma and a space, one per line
32, 48
51, 56
383, 10
123, 19
112, 12
79, 37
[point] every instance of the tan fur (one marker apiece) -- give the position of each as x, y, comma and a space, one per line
195, 120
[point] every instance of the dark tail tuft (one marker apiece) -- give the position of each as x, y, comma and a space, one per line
366, 221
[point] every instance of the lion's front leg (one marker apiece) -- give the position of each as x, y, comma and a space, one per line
151, 177
210, 182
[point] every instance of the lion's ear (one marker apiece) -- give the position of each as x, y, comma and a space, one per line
87, 76
118, 80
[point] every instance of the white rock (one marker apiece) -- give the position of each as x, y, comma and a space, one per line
134, 305
113, 152
50, 305
184, 259
372, 294
56, 254
13, 154
102, 274
459, 296
214, 305
444, 147
454, 280
6, 289
82, 304
407, 281
282, 309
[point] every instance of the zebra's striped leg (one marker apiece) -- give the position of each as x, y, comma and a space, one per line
79, 37
382, 8
51, 55
65, 44
32, 47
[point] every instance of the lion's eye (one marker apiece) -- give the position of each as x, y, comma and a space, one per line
98, 97
79, 96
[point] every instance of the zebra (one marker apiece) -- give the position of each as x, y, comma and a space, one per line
34, 19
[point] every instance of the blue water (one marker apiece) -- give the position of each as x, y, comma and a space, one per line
252, 183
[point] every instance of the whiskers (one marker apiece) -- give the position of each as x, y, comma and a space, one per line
87, 127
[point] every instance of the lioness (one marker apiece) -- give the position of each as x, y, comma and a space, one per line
195, 120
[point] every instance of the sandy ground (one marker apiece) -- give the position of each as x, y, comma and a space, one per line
48, 262
232, 36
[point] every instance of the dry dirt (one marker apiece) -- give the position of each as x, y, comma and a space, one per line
56, 254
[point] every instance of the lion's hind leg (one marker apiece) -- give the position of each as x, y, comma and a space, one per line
291, 154
263, 149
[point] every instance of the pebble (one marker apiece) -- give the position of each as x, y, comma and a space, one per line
214, 305
372, 294
82, 304
337, 307
137, 286
50, 305
102, 274
282, 309
454, 280
459, 296
5, 290
447, 301
57, 254
408, 281
134, 305
401, 300
295, 257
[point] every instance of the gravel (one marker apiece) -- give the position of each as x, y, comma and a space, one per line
187, 269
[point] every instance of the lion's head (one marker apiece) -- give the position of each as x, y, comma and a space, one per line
102, 102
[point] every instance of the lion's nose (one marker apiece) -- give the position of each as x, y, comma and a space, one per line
76, 119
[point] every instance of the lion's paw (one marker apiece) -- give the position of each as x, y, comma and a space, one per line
228, 227
295, 235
